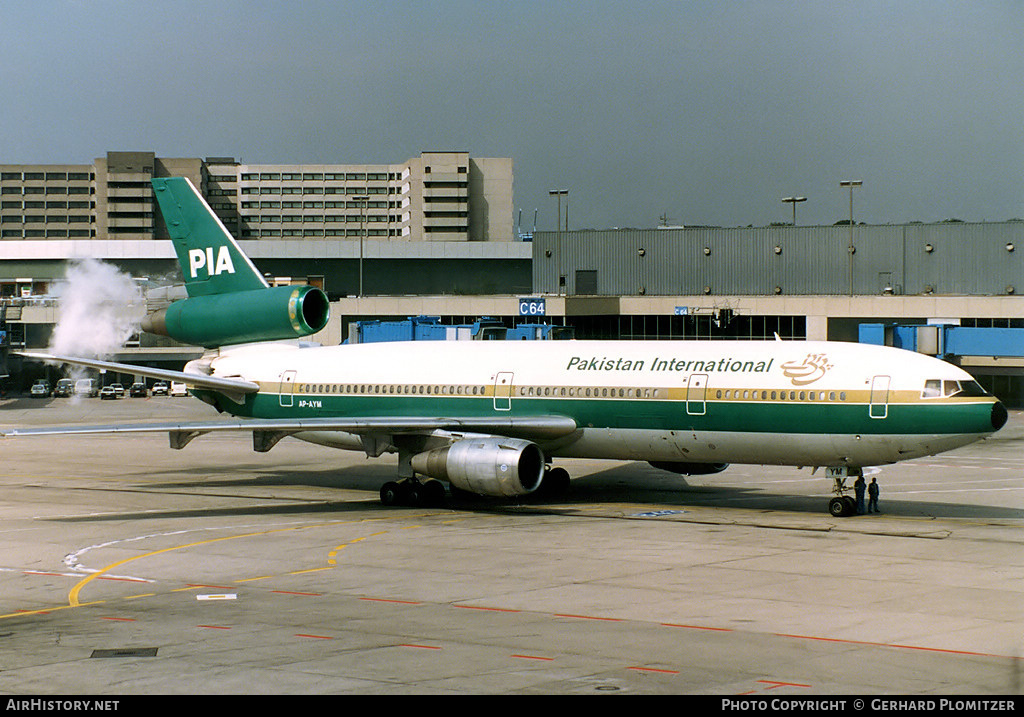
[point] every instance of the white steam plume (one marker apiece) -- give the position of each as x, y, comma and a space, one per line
98, 309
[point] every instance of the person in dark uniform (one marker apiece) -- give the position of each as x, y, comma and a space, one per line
858, 486
873, 496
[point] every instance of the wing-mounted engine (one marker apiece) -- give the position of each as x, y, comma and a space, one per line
489, 465
272, 314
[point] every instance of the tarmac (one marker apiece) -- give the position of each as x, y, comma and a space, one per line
129, 568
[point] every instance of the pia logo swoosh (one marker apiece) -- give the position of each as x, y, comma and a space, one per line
802, 373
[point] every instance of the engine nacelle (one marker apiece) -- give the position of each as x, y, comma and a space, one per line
690, 469
488, 465
273, 314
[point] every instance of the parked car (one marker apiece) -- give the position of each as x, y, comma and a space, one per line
138, 390
86, 387
160, 388
40, 389
65, 387
118, 389
178, 389
108, 392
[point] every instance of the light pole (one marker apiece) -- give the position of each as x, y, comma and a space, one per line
793, 201
559, 193
851, 183
362, 229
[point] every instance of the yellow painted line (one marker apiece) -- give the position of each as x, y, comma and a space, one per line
48, 610
333, 554
73, 600
310, 570
74, 594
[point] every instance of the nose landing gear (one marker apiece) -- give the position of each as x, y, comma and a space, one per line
842, 505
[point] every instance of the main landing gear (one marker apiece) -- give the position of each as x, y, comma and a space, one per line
431, 493
842, 505
411, 492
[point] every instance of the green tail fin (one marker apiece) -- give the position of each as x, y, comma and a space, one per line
210, 258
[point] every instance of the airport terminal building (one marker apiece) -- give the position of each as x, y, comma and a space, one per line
434, 236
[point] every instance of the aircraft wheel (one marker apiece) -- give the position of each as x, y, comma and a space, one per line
391, 493
555, 482
837, 508
433, 493
412, 494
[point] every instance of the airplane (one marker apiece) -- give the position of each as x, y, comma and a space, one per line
489, 417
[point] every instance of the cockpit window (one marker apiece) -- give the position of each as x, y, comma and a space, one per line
972, 388
936, 388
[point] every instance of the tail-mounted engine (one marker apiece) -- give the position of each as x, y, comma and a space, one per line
489, 465
280, 312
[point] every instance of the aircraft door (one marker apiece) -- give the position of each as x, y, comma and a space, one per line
879, 405
287, 389
696, 391
503, 391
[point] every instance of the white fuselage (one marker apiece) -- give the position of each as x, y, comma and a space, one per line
765, 402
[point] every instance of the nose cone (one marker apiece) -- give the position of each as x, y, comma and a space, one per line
999, 415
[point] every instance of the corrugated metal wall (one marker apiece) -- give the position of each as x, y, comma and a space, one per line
953, 258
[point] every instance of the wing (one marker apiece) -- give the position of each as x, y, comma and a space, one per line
540, 427
267, 432
216, 383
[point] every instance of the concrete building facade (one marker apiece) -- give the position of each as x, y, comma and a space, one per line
433, 235
435, 197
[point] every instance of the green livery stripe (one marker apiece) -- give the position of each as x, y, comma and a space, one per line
821, 417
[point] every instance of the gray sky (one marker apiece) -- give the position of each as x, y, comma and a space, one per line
707, 112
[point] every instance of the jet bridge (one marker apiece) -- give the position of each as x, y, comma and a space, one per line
993, 355
430, 328
948, 341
